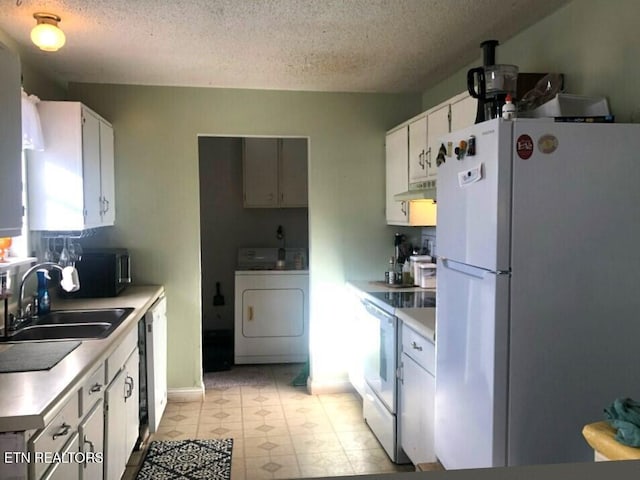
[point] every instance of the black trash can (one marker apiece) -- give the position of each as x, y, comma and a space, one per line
217, 350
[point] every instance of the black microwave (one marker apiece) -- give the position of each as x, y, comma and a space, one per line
103, 272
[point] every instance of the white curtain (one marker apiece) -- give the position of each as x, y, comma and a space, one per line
31, 130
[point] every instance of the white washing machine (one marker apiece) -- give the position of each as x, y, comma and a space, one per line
271, 308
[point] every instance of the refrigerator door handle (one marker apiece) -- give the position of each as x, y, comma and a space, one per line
466, 269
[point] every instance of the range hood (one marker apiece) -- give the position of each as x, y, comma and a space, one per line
418, 191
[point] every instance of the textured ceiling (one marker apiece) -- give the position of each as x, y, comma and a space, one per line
319, 45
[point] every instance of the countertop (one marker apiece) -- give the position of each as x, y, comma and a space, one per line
422, 320
29, 400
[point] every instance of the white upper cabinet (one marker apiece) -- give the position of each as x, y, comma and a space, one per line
275, 172
10, 144
293, 172
438, 119
71, 183
397, 175
463, 111
418, 150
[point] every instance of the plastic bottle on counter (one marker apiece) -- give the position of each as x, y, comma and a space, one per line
390, 274
508, 109
44, 302
407, 274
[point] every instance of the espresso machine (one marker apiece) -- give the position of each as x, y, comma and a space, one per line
491, 83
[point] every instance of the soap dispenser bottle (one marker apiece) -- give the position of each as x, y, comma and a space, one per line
44, 301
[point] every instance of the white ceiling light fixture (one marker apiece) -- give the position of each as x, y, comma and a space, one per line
46, 34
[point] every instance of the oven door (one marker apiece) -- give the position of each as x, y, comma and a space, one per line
380, 354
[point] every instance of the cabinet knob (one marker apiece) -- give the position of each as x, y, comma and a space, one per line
95, 388
428, 157
415, 346
250, 313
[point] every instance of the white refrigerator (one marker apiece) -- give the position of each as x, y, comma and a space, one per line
538, 289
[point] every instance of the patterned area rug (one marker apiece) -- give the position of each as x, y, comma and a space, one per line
187, 459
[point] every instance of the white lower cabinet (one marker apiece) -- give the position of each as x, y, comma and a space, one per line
91, 433
67, 470
121, 415
417, 395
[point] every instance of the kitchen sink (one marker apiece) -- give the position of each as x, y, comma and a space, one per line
102, 315
73, 325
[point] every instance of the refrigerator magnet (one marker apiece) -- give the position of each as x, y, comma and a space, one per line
524, 147
548, 143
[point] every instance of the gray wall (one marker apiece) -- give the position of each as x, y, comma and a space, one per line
593, 42
158, 201
225, 225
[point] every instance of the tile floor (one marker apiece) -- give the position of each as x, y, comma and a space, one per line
281, 431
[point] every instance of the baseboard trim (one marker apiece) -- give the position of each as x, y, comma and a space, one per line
188, 394
315, 387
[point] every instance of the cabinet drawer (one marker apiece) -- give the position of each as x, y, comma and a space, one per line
54, 436
116, 360
92, 389
423, 351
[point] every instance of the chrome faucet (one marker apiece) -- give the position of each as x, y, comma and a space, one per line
69, 282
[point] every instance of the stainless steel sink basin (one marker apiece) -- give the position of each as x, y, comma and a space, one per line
63, 331
72, 325
106, 315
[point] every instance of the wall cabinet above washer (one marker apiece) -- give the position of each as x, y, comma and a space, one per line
275, 172
71, 183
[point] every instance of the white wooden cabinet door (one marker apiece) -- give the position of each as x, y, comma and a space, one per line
438, 127
292, 173
397, 175
65, 470
91, 432
65, 181
463, 112
417, 397
132, 402
10, 144
121, 418
115, 425
107, 175
91, 169
260, 172
418, 149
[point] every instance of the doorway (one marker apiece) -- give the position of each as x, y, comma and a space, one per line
225, 226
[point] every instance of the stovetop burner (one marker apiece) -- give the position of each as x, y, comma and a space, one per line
415, 299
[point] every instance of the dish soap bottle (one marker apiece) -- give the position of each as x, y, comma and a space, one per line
44, 301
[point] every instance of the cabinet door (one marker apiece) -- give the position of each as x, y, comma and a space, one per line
260, 172
397, 175
132, 402
115, 458
91, 432
463, 112
417, 393
65, 470
107, 175
293, 190
438, 127
418, 150
91, 169
10, 144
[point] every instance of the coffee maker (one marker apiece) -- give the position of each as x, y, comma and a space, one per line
491, 83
